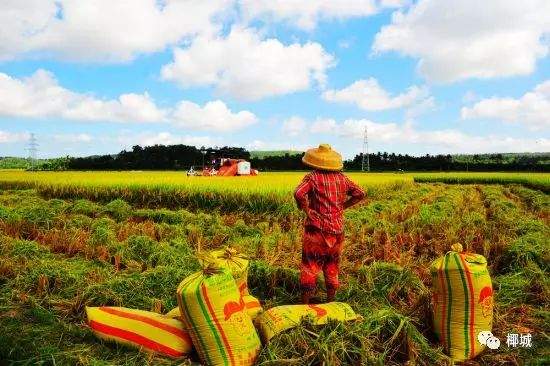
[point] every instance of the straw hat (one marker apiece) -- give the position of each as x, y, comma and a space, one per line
323, 158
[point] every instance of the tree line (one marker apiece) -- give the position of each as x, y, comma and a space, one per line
476, 162
182, 157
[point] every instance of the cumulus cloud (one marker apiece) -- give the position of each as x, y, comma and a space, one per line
370, 96
294, 126
160, 138
213, 116
70, 138
393, 136
456, 40
276, 145
102, 30
306, 14
323, 125
41, 96
247, 67
10, 137
532, 109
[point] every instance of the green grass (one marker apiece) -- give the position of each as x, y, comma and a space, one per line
59, 254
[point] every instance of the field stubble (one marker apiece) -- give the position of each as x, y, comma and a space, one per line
58, 255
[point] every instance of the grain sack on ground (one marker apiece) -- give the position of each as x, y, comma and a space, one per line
252, 305
215, 315
174, 313
278, 319
236, 263
462, 302
142, 329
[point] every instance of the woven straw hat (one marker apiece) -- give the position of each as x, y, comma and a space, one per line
323, 158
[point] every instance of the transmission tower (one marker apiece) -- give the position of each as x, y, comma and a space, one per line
365, 151
33, 150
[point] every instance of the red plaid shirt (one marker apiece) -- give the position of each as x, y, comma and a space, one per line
323, 195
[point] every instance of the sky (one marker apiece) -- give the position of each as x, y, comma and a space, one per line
429, 76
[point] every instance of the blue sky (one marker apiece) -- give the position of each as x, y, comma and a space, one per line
423, 76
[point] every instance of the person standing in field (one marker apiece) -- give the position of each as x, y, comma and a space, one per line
323, 195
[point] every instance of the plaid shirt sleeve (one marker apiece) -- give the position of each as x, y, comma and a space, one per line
300, 194
355, 192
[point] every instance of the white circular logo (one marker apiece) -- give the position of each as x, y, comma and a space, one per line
493, 342
483, 336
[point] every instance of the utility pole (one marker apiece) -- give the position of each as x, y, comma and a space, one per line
33, 150
365, 151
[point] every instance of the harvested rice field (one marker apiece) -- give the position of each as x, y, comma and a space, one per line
75, 239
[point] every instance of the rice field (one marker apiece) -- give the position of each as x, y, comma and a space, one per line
540, 181
75, 239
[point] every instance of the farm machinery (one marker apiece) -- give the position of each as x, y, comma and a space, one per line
225, 167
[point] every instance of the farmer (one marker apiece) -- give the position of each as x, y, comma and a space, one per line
323, 194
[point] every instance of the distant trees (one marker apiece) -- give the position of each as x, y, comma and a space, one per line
181, 157
480, 162
38, 164
285, 162
157, 157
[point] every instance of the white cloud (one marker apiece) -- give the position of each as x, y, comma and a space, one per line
532, 109
306, 14
73, 138
394, 3
11, 137
276, 145
161, 138
456, 40
406, 137
214, 116
41, 96
102, 30
257, 145
426, 105
370, 96
323, 125
294, 126
248, 67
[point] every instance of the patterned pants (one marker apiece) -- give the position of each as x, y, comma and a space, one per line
320, 252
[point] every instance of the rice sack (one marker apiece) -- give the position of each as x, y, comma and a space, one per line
280, 318
142, 329
236, 263
462, 302
252, 304
214, 313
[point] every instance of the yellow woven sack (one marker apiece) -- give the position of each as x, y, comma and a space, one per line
278, 319
215, 315
462, 302
174, 313
253, 308
142, 329
236, 263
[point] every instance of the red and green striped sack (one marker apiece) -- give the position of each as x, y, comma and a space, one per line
462, 301
141, 329
214, 313
252, 304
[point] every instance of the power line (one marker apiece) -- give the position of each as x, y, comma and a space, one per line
32, 148
365, 151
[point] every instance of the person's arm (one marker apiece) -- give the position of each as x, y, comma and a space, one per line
301, 192
355, 193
